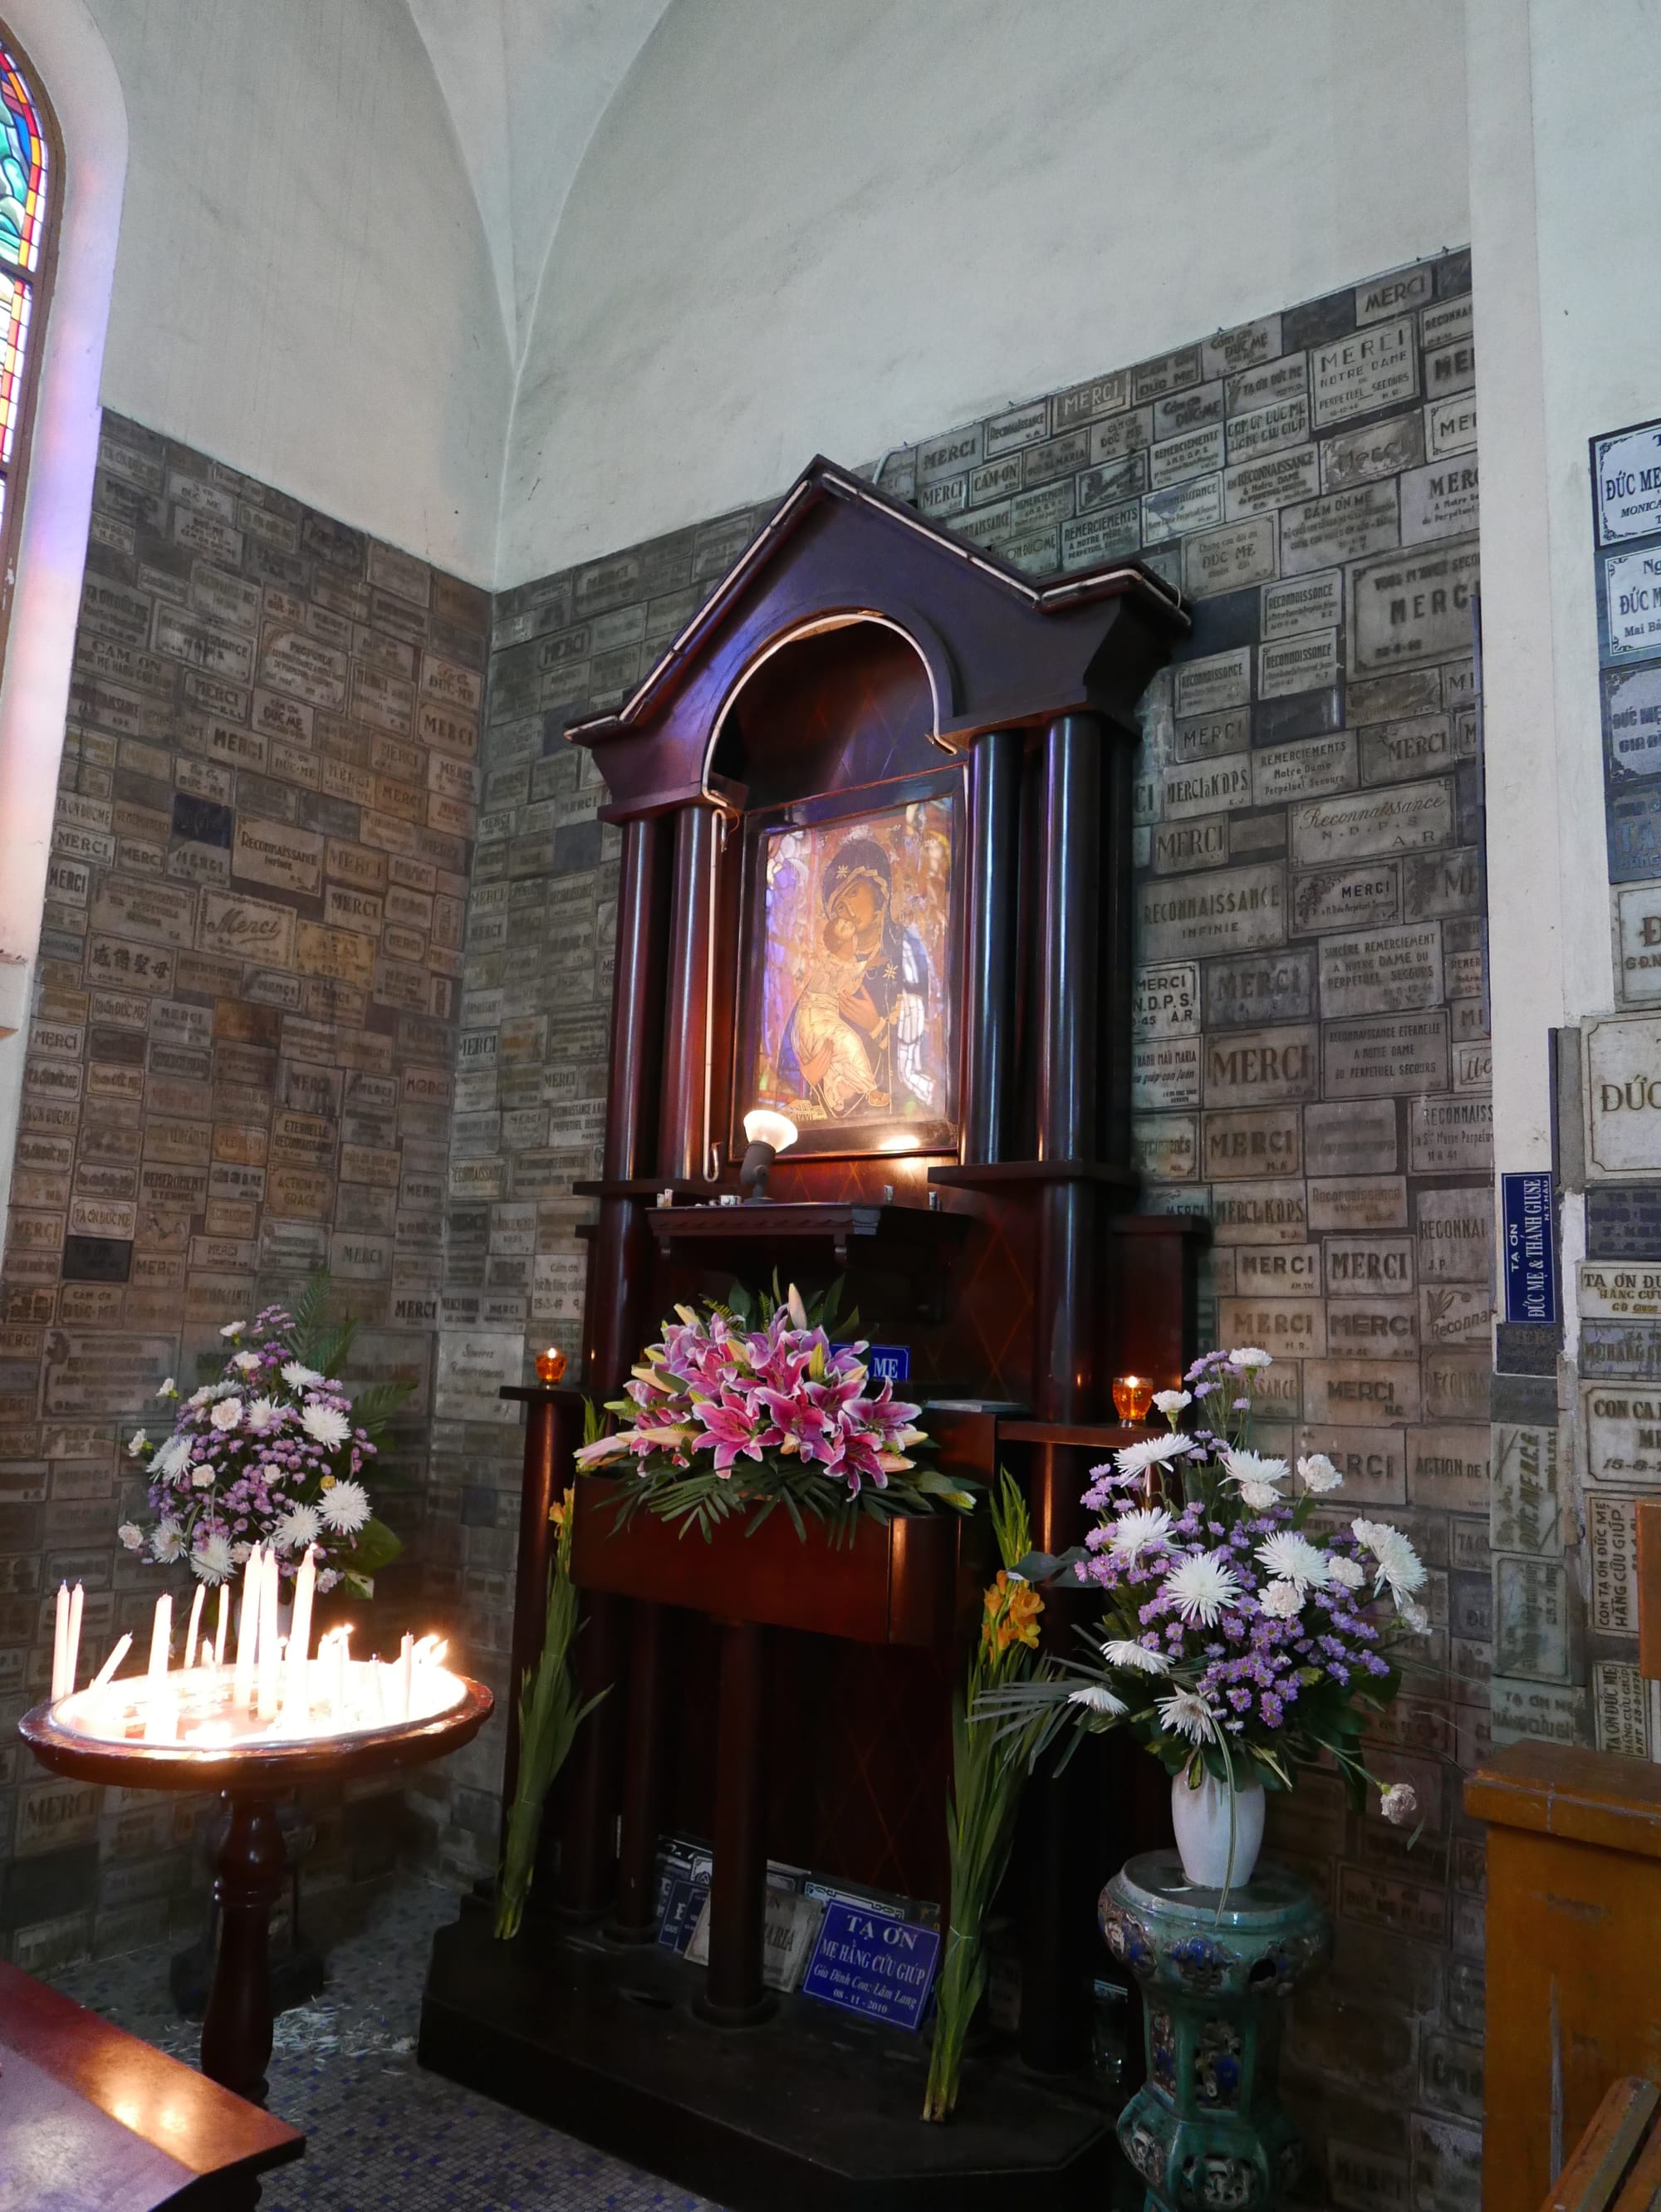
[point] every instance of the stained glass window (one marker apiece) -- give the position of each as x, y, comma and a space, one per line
23, 246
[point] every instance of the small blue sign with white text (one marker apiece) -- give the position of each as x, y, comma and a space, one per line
869, 1962
889, 1363
1531, 1261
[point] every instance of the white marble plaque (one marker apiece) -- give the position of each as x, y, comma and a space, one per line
1382, 971
1620, 1709
1415, 606
1632, 720
1411, 817
1165, 1074
1628, 472
1306, 602
1451, 425
1612, 1545
1165, 1001
1212, 685
1619, 1289
1632, 588
1370, 368
1211, 787
1451, 1136
1530, 1619
1623, 1095
1456, 1234
1386, 1057
1312, 767
1525, 1510
1623, 1435
1307, 663
1439, 500
1236, 910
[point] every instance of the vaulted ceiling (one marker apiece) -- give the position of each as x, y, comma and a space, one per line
526, 81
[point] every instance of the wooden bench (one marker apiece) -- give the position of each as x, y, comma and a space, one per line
1616, 2165
93, 2120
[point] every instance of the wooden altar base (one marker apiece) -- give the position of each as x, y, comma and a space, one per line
815, 2110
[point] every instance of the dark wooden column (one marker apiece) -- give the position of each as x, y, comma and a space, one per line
619, 1272
734, 1994
994, 868
1058, 1937
682, 1157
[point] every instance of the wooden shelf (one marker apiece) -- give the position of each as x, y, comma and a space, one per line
1103, 1436
852, 1229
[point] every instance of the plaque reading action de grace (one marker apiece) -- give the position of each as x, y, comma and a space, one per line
869, 1962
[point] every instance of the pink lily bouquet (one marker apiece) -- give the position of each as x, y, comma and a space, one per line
1239, 1638
729, 1410
275, 1452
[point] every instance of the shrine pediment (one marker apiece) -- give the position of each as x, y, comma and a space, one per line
999, 649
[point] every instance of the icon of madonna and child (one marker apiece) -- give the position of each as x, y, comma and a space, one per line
855, 1035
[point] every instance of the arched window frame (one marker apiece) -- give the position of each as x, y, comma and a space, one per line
36, 282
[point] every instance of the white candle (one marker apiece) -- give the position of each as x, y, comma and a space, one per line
224, 1622
270, 1650
406, 1675
110, 1665
196, 1623
72, 1649
60, 1638
157, 1728
247, 1627
296, 1697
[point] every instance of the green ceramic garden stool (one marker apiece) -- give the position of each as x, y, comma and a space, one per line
1206, 2131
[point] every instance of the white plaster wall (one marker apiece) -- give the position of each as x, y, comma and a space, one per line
846, 226
1568, 329
303, 288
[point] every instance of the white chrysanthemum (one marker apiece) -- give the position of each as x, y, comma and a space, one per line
345, 1508
325, 1426
1348, 1573
233, 1328
172, 1458
1136, 1658
1399, 1802
137, 1443
1294, 1557
1259, 1496
1318, 1472
1253, 1466
210, 1559
204, 1396
227, 1413
1412, 1617
1281, 1601
246, 1361
1202, 1586
1250, 1355
1185, 1712
169, 1388
265, 1413
298, 1528
298, 1376
131, 1535
166, 1542
1143, 1529
1171, 1402
1400, 1569
1152, 1451
1096, 1699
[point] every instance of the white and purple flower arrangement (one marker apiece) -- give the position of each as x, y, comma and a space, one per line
275, 1452
1240, 1636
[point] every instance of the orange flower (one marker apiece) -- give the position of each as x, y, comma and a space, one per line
1012, 1609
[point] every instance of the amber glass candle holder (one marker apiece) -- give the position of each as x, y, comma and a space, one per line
550, 1364
1133, 1397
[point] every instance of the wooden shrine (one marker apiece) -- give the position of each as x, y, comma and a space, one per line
875, 873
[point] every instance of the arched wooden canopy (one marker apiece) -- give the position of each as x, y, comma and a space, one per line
1001, 650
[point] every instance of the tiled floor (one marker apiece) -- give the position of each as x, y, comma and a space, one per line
381, 2133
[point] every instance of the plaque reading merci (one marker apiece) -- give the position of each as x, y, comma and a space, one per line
870, 1963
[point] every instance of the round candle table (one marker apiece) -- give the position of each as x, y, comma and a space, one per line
1206, 2128
250, 1776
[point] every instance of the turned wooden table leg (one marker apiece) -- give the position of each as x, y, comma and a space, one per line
734, 1994
236, 2028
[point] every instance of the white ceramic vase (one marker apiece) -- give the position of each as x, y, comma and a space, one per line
1201, 1818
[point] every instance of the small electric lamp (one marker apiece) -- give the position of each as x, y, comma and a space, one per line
1133, 1397
769, 1134
550, 1364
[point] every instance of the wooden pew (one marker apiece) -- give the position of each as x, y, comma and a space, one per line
93, 2120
